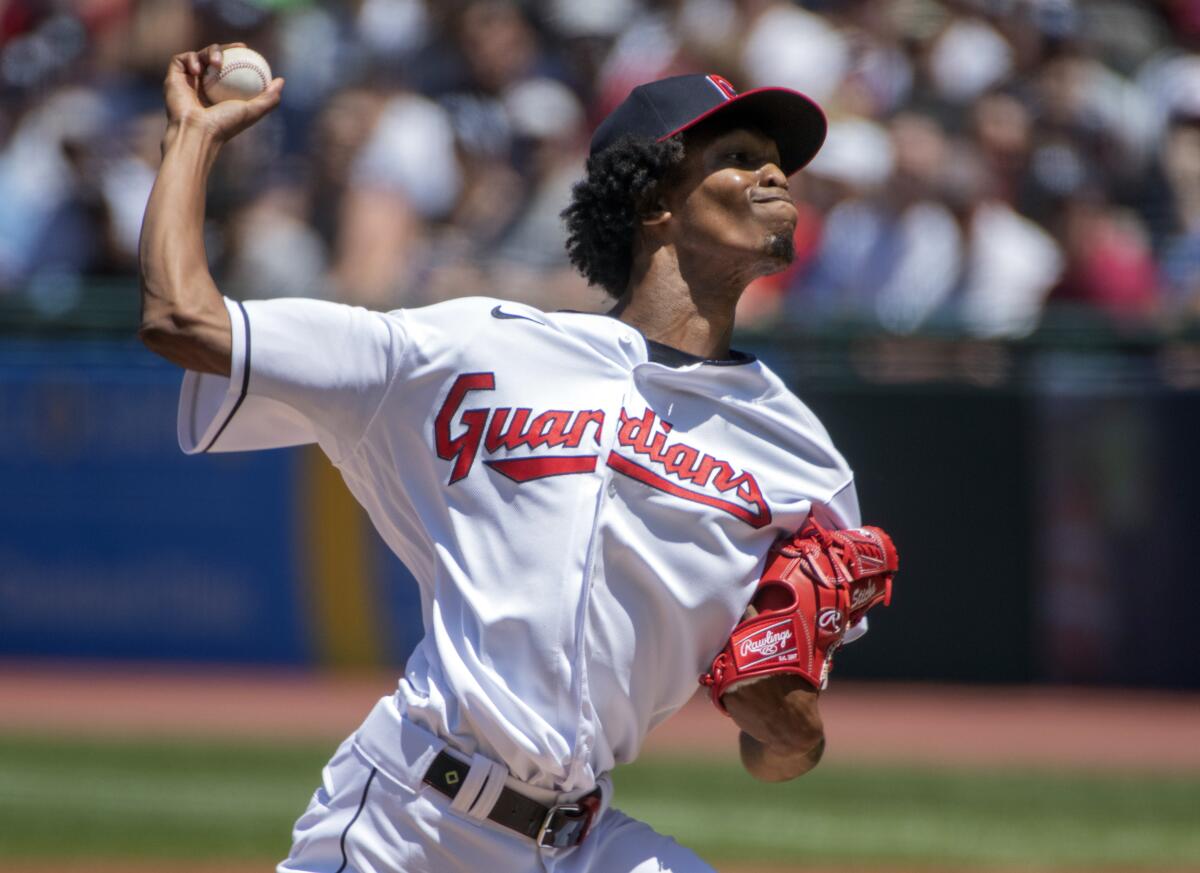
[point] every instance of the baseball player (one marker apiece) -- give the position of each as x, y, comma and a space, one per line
585, 500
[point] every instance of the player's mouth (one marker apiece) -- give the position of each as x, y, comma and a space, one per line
779, 206
772, 198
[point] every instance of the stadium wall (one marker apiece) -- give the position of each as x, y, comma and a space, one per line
1042, 512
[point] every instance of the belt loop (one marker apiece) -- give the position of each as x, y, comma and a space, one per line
400, 748
472, 785
490, 793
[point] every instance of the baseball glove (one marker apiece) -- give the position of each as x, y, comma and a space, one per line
816, 584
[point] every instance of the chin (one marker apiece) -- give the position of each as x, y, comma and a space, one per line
780, 248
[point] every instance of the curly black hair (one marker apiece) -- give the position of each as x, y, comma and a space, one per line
620, 184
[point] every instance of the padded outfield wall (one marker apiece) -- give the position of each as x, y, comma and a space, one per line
113, 544
1045, 497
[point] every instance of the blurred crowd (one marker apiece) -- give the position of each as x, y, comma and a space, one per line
987, 159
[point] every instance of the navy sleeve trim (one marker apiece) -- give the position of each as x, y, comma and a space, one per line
245, 381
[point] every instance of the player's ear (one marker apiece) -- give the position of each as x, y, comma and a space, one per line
655, 217
652, 208
654, 212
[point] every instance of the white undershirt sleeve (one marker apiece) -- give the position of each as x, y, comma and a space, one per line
302, 371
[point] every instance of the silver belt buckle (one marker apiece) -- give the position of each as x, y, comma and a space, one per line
577, 814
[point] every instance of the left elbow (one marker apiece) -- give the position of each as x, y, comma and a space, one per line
807, 746
772, 765
815, 754
804, 733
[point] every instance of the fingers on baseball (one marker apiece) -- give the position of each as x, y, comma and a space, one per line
210, 56
267, 99
187, 63
193, 63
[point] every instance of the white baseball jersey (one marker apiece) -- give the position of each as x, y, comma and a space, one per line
586, 513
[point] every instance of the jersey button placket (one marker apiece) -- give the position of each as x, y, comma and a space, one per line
585, 741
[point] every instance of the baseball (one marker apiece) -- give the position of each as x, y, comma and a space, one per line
243, 74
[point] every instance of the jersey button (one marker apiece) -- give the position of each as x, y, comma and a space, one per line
612, 488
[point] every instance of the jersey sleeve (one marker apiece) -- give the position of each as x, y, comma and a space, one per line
302, 371
841, 511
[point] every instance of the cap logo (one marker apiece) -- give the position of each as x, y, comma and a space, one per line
722, 84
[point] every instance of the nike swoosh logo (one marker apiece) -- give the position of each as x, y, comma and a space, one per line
497, 312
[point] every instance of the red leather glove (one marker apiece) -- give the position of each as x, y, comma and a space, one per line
816, 584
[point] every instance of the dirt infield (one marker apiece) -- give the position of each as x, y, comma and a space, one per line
940, 725
864, 722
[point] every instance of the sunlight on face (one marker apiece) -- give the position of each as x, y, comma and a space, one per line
731, 199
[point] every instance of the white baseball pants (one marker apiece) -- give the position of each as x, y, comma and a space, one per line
373, 816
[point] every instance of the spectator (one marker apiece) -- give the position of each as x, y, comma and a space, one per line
1011, 263
976, 160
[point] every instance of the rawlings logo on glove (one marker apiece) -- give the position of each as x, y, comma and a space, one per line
816, 584
767, 642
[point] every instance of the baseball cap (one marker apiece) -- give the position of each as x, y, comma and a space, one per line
662, 109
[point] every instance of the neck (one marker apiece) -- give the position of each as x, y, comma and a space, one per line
689, 310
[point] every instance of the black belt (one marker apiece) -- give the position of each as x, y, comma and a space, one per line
558, 827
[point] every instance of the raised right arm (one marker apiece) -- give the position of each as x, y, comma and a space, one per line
184, 318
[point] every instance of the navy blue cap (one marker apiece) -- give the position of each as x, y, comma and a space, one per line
662, 109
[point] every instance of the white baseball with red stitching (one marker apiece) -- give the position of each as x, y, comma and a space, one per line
243, 74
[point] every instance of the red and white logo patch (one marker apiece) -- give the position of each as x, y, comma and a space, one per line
722, 84
830, 620
773, 642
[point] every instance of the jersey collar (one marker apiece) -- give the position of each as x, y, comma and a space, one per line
669, 356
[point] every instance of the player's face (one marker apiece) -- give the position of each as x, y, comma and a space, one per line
731, 199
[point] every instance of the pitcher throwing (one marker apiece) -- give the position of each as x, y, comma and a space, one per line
586, 501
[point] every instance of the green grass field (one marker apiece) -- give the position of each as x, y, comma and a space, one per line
148, 799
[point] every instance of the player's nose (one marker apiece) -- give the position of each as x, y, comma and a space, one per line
771, 176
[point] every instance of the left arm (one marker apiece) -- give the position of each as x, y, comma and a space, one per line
815, 585
782, 735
